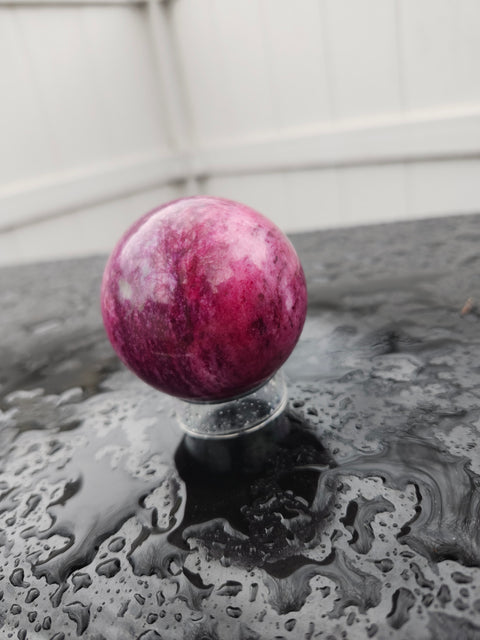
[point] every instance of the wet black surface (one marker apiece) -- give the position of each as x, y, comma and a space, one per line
356, 515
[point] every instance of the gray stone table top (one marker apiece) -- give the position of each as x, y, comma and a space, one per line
356, 515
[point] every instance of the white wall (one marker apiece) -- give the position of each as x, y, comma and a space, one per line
319, 113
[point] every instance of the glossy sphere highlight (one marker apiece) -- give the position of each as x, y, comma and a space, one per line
204, 298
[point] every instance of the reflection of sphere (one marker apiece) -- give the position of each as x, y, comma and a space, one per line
204, 298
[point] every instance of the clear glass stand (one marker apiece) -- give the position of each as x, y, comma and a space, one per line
234, 417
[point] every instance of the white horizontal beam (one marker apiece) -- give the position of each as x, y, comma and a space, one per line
58, 194
12, 4
421, 136
424, 137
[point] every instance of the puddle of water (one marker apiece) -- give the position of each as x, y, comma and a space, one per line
358, 510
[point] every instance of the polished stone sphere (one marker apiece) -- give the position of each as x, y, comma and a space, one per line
204, 298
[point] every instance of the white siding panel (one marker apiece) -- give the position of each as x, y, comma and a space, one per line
442, 188
26, 146
318, 113
247, 78
363, 56
296, 60
9, 249
314, 200
372, 194
440, 46
204, 71
124, 77
467, 46
79, 86
55, 47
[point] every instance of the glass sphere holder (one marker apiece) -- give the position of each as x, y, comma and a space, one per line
237, 416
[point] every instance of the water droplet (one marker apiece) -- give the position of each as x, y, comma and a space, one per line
32, 503
290, 624
151, 634
427, 599
371, 630
32, 595
253, 592
229, 588
460, 604
444, 596
420, 577
108, 568
17, 578
116, 544
384, 565
191, 589
402, 601
461, 578
80, 614
81, 581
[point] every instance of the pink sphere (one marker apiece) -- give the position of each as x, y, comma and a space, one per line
204, 298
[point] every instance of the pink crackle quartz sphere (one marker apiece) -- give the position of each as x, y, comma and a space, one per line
204, 298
